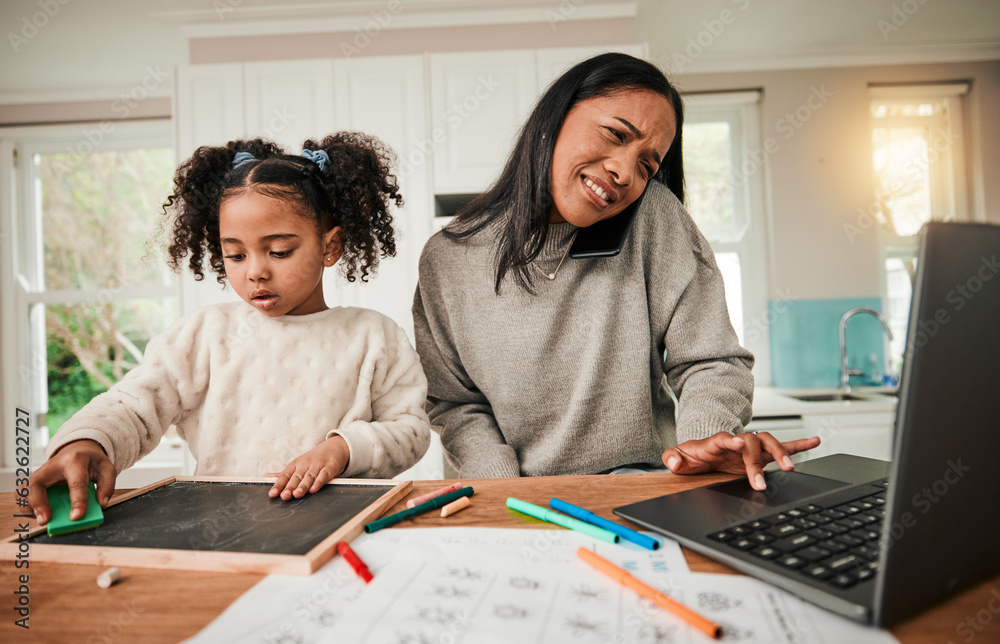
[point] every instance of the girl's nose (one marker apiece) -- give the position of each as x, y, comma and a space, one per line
257, 268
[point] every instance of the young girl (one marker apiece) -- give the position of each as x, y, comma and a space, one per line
278, 384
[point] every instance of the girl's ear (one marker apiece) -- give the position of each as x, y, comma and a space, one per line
333, 246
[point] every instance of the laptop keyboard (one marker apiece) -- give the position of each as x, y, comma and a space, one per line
835, 541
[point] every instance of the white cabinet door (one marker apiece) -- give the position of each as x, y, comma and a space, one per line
553, 62
868, 435
210, 111
385, 97
290, 101
479, 102
208, 106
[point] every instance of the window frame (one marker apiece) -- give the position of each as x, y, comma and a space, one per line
741, 109
22, 252
955, 206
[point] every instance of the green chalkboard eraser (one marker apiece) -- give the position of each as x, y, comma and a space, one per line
60, 522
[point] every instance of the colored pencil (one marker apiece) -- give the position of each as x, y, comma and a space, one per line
354, 561
435, 493
545, 514
586, 515
403, 515
672, 606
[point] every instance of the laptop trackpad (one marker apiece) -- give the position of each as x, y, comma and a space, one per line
782, 488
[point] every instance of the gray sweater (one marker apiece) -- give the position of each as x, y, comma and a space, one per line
570, 380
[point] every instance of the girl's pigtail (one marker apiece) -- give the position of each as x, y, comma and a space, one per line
361, 189
199, 184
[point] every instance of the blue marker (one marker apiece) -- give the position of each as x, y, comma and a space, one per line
586, 515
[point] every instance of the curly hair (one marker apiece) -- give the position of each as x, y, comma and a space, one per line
353, 192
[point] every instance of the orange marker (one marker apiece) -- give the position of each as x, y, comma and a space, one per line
455, 506
354, 560
431, 495
648, 592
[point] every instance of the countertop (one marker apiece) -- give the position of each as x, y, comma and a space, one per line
770, 401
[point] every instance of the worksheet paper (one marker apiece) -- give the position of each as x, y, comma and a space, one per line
284, 609
455, 594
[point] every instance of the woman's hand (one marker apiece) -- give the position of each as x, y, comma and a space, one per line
311, 471
735, 454
76, 464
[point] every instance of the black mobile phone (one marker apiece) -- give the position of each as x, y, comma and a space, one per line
606, 237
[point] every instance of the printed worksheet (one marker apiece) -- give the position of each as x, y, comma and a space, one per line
283, 609
433, 594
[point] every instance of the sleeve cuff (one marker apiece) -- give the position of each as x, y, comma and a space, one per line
359, 444
497, 464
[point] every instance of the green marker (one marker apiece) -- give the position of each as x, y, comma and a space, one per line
552, 516
59, 502
403, 515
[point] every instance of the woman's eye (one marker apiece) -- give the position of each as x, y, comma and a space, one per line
281, 253
235, 258
616, 133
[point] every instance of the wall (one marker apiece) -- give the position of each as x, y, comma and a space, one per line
83, 49
823, 256
819, 175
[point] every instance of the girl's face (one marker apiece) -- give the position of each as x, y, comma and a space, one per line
607, 150
273, 256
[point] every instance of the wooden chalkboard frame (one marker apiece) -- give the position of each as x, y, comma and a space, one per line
213, 560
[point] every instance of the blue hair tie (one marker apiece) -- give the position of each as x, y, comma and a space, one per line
319, 157
241, 158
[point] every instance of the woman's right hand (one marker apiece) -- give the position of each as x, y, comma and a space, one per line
76, 464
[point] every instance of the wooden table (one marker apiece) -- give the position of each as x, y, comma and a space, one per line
152, 606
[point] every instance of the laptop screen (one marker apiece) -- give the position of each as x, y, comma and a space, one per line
944, 503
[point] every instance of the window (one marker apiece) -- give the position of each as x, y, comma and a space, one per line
85, 283
723, 167
918, 164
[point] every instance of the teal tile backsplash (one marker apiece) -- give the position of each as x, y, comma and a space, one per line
805, 346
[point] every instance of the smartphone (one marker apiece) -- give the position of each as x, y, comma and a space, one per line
606, 237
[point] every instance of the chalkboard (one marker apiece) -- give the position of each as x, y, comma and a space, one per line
224, 524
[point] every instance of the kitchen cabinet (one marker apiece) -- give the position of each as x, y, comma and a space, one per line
479, 101
553, 62
209, 110
867, 435
208, 106
289, 101
860, 427
385, 97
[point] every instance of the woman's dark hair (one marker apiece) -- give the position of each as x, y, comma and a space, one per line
523, 192
354, 191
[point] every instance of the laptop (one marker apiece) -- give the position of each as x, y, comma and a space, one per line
879, 542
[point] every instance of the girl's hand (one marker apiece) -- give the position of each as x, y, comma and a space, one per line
737, 454
309, 472
76, 464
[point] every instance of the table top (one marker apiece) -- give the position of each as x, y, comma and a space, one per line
152, 606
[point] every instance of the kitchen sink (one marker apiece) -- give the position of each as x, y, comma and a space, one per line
825, 397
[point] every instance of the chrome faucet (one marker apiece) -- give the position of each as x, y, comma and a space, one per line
845, 373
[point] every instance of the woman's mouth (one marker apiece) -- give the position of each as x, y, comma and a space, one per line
596, 193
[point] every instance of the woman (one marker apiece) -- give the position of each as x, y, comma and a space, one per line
542, 365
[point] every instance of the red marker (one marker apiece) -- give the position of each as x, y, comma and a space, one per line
355, 561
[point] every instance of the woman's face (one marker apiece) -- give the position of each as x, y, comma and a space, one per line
606, 151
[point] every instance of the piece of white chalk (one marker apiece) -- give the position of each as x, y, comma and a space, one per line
108, 578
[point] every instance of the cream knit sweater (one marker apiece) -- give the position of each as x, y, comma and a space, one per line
250, 393
571, 380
